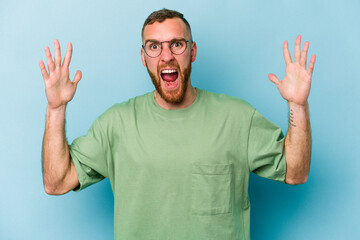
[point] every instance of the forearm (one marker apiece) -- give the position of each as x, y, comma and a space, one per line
57, 167
298, 144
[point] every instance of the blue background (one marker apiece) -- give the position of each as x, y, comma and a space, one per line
239, 43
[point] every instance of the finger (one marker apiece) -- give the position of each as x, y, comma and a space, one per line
67, 57
57, 58
50, 63
297, 49
274, 79
304, 54
77, 77
286, 52
43, 70
311, 64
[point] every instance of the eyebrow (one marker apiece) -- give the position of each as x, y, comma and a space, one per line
150, 40
157, 41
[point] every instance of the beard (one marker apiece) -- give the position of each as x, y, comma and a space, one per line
175, 96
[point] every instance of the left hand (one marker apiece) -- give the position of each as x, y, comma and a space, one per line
295, 87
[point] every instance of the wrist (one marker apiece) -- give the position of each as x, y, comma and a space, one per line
59, 109
293, 105
56, 114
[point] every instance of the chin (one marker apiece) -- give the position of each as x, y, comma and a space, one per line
173, 96
177, 94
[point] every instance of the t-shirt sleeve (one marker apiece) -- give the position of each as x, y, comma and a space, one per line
91, 155
266, 149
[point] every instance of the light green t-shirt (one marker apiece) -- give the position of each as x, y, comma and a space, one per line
180, 174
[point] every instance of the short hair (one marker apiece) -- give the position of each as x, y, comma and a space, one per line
163, 14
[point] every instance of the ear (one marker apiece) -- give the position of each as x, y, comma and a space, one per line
193, 51
143, 57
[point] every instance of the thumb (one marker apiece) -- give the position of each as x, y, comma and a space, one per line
77, 77
274, 79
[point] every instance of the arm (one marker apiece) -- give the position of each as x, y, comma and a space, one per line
58, 171
295, 88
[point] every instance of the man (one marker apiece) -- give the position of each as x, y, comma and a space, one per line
178, 159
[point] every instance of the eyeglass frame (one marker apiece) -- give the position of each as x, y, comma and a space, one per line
161, 43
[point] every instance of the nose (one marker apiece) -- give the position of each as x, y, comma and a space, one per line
166, 54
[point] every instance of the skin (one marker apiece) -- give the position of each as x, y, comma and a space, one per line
295, 89
165, 31
59, 172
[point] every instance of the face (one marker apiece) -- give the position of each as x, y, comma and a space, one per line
170, 73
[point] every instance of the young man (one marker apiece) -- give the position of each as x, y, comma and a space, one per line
178, 158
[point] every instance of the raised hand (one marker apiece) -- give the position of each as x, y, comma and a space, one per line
59, 88
295, 87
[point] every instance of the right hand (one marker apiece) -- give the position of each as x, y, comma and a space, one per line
59, 88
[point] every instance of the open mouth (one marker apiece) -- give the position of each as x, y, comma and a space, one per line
169, 76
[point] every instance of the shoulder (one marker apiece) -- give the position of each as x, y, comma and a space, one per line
126, 108
223, 102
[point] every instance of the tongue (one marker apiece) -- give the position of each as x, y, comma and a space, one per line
169, 77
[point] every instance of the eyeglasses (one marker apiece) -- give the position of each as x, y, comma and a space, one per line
154, 48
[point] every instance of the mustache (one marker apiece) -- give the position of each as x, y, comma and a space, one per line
170, 65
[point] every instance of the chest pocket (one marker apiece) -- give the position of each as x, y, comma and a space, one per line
211, 189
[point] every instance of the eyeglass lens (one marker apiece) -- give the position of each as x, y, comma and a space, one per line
154, 48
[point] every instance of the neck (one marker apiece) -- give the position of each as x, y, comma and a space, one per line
189, 98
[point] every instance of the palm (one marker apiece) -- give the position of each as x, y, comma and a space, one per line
295, 87
59, 89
